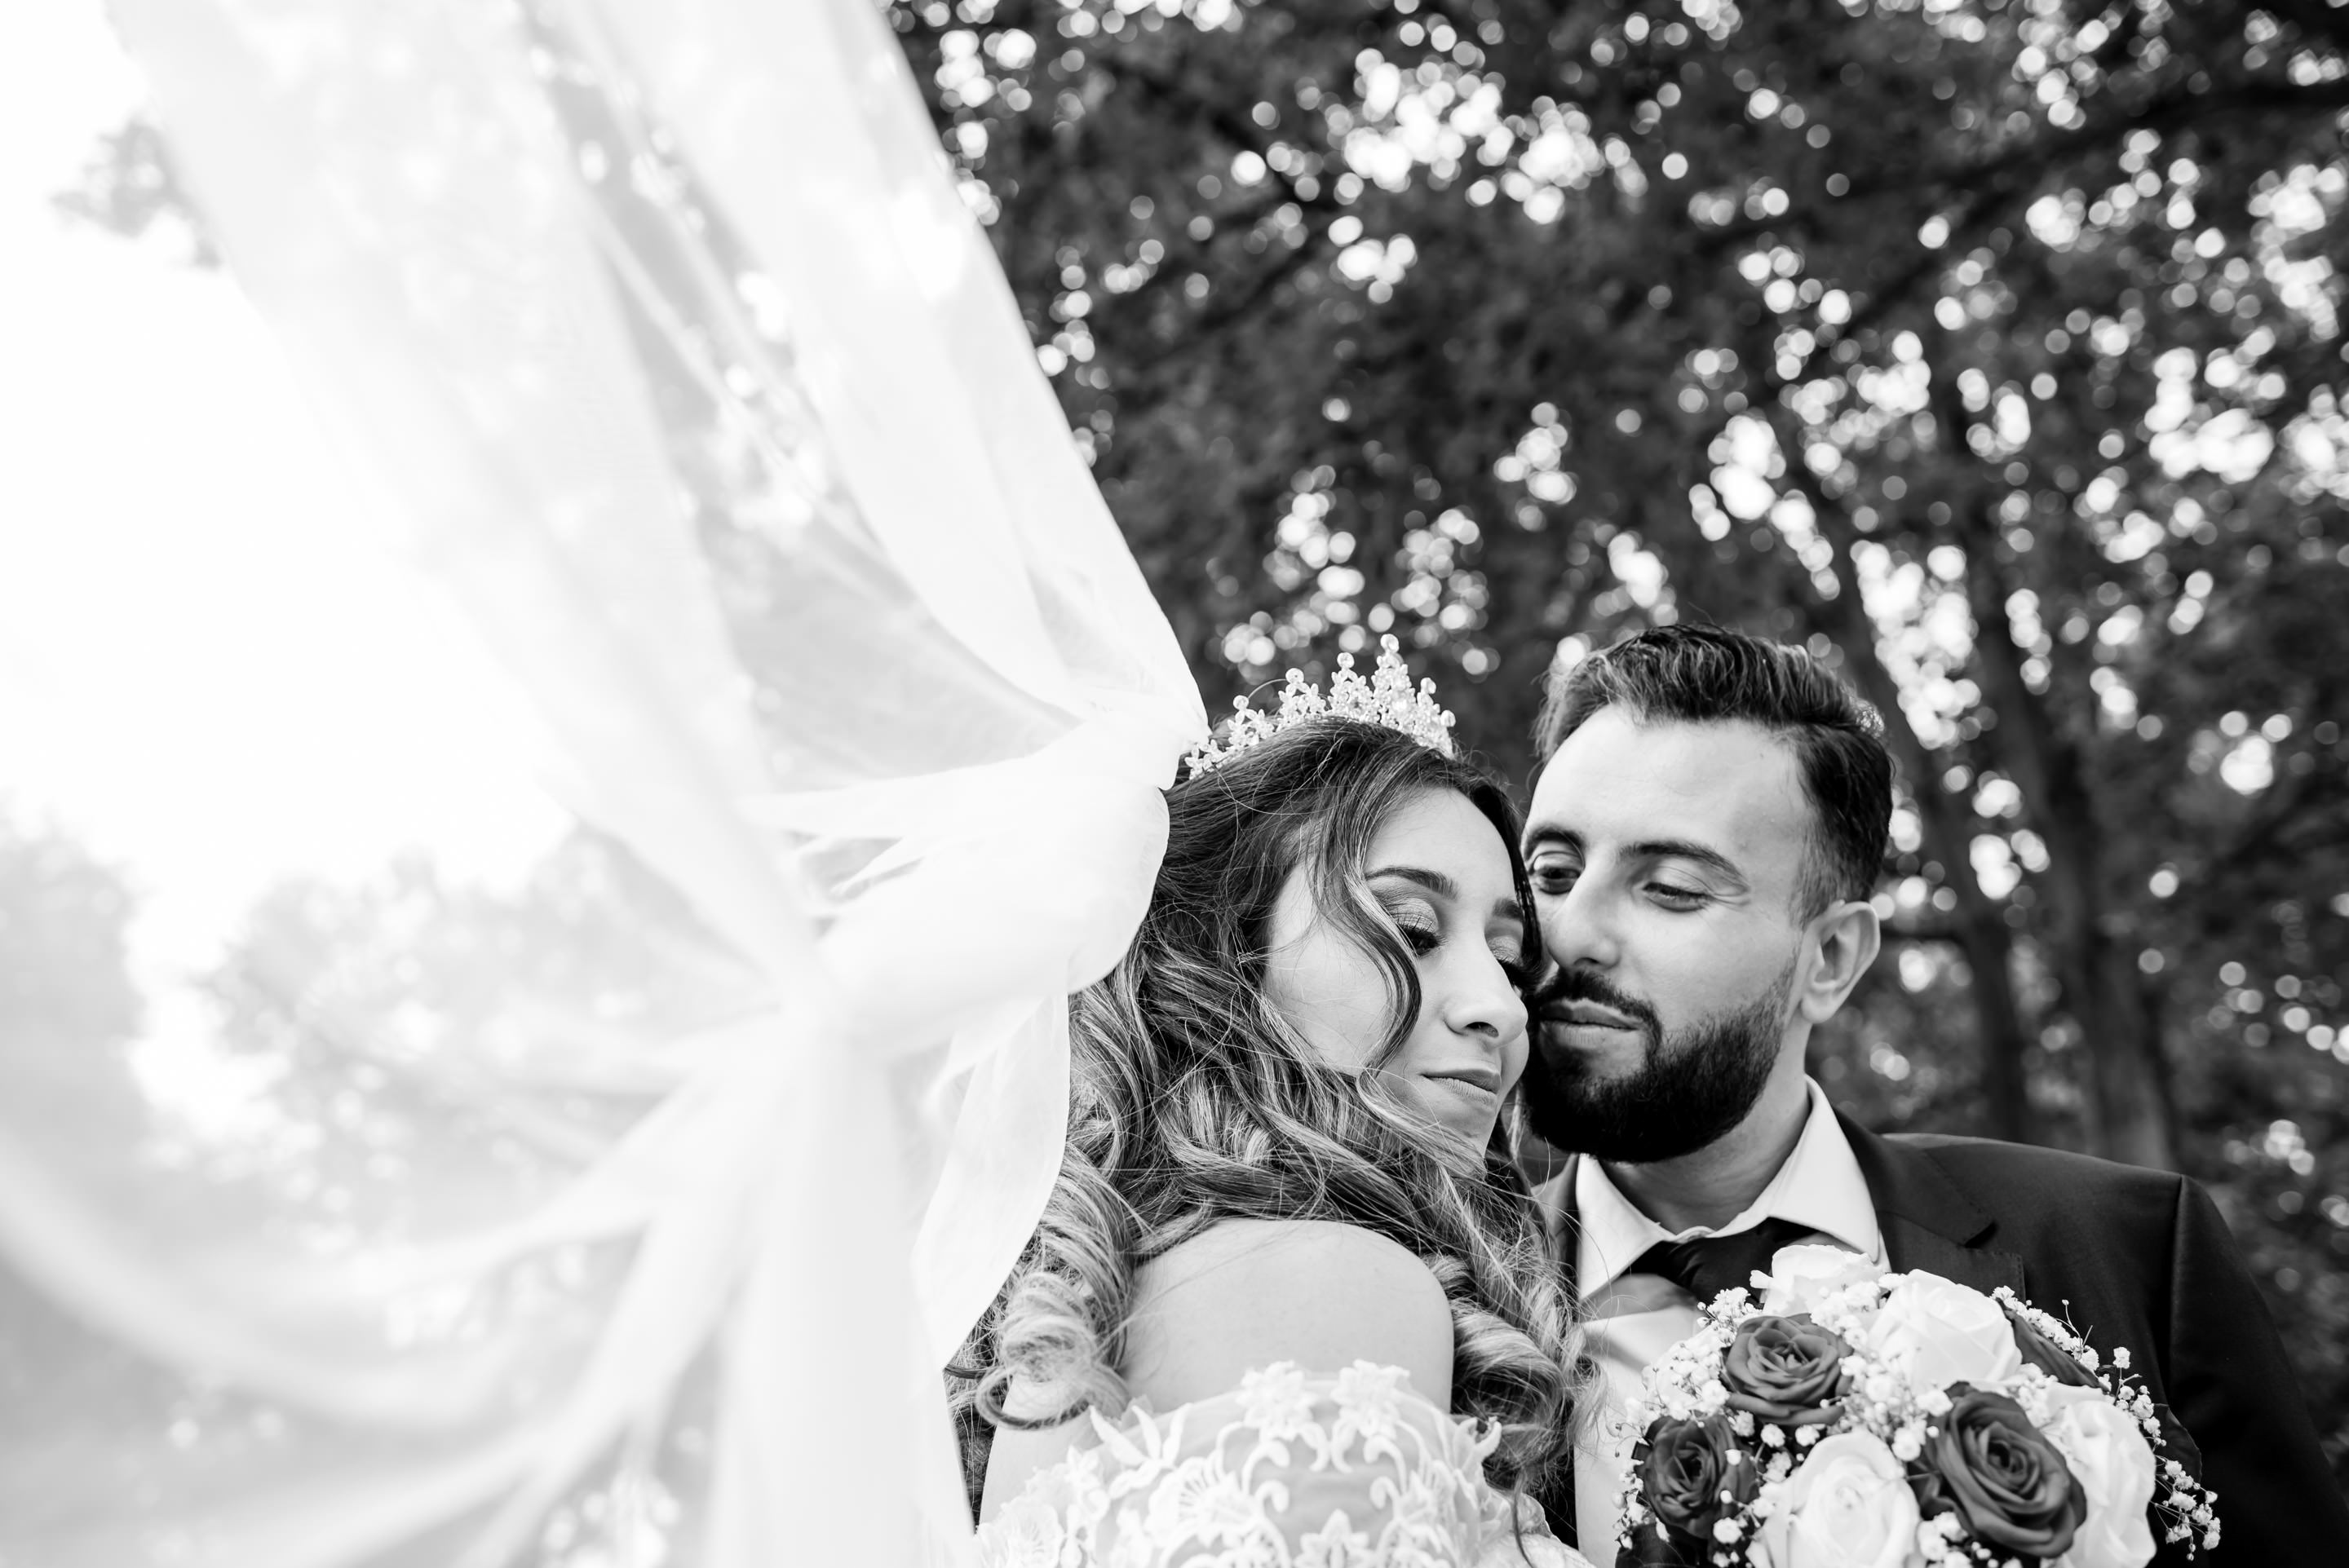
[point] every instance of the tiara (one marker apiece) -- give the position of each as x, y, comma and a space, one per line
1387, 699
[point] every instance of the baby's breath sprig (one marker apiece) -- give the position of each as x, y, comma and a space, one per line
2188, 1508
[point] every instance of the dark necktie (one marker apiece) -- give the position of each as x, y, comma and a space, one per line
1704, 1266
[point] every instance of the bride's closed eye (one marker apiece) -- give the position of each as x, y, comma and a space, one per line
1422, 929
1422, 934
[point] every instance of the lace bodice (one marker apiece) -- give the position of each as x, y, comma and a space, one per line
1291, 1470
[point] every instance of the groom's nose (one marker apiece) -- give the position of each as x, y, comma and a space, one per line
1579, 926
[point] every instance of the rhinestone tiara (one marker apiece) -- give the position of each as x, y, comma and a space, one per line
1387, 699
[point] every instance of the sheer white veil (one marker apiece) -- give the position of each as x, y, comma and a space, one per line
660, 331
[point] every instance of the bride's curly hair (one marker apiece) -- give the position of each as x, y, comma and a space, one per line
1193, 1101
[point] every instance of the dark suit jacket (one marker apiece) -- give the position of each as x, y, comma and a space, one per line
2131, 1257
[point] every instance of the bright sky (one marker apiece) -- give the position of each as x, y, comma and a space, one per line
210, 671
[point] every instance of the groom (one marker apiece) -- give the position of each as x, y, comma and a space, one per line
1705, 833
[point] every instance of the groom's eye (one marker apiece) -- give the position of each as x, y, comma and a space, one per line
1553, 873
1672, 895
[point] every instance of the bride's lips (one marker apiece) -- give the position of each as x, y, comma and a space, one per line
1487, 1078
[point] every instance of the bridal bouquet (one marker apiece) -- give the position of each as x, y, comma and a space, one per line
1836, 1418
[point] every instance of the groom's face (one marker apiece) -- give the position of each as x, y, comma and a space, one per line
1665, 860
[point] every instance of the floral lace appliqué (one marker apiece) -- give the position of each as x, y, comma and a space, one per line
1293, 1470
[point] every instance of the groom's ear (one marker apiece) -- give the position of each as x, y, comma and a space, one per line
1838, 946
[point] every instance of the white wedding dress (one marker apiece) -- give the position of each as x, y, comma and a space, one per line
626, 1222
1346, 1469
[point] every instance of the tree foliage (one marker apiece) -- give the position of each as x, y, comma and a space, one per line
1993, 349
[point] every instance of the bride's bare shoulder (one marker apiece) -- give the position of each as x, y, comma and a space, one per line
1232, 1250
1247, 1292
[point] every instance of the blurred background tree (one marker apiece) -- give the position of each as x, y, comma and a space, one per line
1992, 349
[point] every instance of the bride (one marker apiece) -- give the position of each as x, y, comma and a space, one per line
1286, 1238
635, 1233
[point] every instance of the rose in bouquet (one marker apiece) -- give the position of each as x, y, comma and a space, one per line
1846, 1418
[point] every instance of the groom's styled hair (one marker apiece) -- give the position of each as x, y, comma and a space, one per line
1708, 674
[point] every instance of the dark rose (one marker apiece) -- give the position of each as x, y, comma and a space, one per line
1787, 1370
2008, 1485
1691, 1474
2043, 1353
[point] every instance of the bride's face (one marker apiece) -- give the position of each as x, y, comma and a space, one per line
1442, 876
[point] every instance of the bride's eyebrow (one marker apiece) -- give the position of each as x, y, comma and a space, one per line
1436, 882
1442, 886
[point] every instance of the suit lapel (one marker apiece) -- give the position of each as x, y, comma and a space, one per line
1913, 1248
1929, 1225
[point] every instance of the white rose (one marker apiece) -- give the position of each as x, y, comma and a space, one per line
1935, 1332
2114, 1465
1846, 1506
1802, 1276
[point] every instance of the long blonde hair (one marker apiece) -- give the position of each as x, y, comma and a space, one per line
1193, 1101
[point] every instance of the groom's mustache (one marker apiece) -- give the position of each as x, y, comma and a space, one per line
1581, 984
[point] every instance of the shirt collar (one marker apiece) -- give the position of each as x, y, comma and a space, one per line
1820, 1186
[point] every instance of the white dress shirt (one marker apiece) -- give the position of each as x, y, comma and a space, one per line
1634, 1318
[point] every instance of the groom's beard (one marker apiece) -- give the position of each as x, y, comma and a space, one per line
1689, 1087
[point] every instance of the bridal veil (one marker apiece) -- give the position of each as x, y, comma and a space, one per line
661, 335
